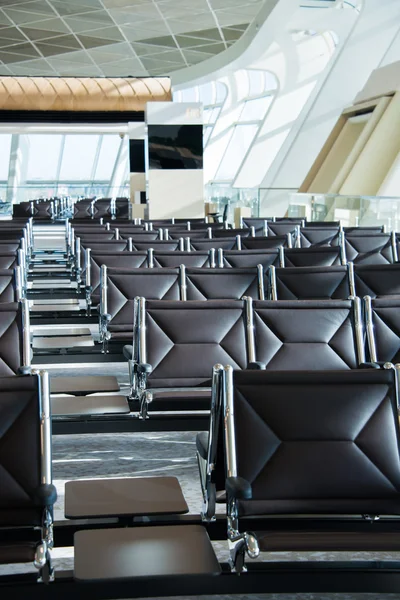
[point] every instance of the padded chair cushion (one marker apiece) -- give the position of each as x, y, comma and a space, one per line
338, 461
120, 260
221, 283
185, 341
257, 243
251, 258
11, 344
373, 249
386, 325
380, 280
177, 258
319, 236
318, 283
14, 553
301, 334
312, 257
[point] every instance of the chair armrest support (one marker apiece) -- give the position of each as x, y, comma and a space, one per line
238, 488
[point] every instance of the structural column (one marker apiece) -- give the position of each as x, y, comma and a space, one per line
174, 160
137, 168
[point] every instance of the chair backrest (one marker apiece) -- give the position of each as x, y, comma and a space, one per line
260, 225
83, 209
119, 260
8, 246
364, 230
122, 208
282, 228
8, 290
308, 283
107, 246
121, 286
175, 259
249, 258
8, 260
183, 340
322, 224
382, 316
312, 257
14, 337
372, 249
312, 443
319, 236
271, 241
217, 284
100, 237
228, 243
102, 208
43, 210
308, 334
157, 245
176, 234
11, 233
137, 235
23, 209
25, 440
226, 233
377, 280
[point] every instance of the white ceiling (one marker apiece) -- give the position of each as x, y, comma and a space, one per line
117, 37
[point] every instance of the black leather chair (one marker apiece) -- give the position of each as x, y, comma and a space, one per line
250, 258
308, 283
157, 245
15, 351
219, 284
259, 225
8, 260
312, 257
382, 316
83, 209
175, 259
120, 287
271, 241
176, 345
27, 494
227, 243
319, 236
377, 280
372, 249
334, 465
119, 260
307, 334
8, 286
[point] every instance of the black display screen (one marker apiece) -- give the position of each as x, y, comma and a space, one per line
175, 146
136, 156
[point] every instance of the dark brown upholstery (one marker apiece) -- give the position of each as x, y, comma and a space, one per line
121, 208
185, 340
137, 235
7, 286
226, 233
124, 285
228, 243
377, 280
258, 224
8, 260
207, 284
386, 328
157, 245
23, 209
312, 283
119, 260
107, 246
251, 258
372, 249
257, 243
312, 257
43, 210
19, 470
319, 236
312, 443
175, 259
305, 334
102, 208
11, 345
83, 209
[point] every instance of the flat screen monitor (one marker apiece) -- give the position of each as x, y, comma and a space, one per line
175, 146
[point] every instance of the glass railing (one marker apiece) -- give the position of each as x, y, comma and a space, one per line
351, 211
220, 195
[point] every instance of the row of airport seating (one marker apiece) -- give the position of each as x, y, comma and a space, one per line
55, 208
175, 344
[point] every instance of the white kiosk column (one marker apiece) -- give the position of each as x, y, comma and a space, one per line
137, 168
174, 160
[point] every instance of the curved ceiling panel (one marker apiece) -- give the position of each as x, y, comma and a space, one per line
82, 93
117, 37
